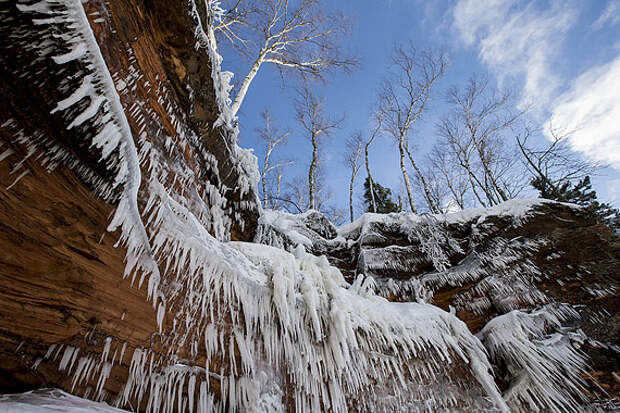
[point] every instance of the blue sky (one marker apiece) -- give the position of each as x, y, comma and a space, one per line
562, 56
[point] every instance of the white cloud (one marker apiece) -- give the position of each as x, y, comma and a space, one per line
517, 40
591, 107
611, 15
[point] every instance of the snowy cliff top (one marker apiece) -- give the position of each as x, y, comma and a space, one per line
518, 209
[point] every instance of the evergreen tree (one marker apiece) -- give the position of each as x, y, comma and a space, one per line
383, 198
580, 194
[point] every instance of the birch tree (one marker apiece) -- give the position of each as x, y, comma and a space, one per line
479, 132
271, 137
230, 18
553, 163
402, 99
317, 126
445, 169
379, 121
352, 158
295, 35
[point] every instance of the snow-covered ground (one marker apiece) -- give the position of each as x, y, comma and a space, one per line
51, 401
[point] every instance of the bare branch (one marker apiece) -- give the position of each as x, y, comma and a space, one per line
403, 97
554, 163
293, 35
310, 115
352, 158
379, 122
477, 133
271, 137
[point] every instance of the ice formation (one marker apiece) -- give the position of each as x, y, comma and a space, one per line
249, 326
534, 351
541, 358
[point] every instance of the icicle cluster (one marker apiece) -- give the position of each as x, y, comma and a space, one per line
411, 257
542, 363
250, 327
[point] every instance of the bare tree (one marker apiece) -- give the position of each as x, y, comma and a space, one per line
272, 137
275, 198
352, 158
402, 99
554, 163
335, 215
476, 133
379, 120
445, 168
317, 127
227, 20
291, 34
297, 195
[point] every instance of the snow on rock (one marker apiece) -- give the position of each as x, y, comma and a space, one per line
451, 250
205, 38
516, 209
51, 401
286, 231
407, 257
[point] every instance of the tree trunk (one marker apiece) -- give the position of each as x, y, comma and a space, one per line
403, 169
488, 172
279, 184
246, 84
351, 195
470, 175
263, 176
370, 184
366, 147
427, 192
311, 172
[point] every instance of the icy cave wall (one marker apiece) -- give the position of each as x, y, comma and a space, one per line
123, 184
104, 104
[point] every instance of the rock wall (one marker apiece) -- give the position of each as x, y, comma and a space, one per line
540, 272
63, 175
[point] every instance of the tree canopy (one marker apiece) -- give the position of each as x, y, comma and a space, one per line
582, 194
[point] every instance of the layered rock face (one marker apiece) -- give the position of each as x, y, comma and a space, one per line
109, 115
125, 278
536, 281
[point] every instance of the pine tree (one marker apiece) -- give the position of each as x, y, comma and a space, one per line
383, 198
580, 194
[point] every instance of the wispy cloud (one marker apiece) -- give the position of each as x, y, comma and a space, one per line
517, 40
610, 16
591, 108
525, 41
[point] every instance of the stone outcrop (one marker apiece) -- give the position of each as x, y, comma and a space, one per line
518, 258
62, 283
